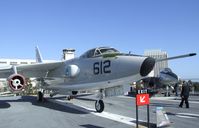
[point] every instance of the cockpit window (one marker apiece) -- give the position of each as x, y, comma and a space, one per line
110, 50
98, 52
166, 70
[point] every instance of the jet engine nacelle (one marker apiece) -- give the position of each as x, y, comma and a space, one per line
16, 82
72, 71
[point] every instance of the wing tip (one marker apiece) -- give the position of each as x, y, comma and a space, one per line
192, 54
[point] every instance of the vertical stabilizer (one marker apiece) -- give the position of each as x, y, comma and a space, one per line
39, 58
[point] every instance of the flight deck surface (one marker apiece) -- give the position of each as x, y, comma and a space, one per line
23, 112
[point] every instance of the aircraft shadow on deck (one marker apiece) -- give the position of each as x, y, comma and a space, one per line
5, 104
90, 126
85, 99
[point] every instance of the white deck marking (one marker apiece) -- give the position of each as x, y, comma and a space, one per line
187, 115
108, 115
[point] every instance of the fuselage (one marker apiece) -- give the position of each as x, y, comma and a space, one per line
167, 77
100, 72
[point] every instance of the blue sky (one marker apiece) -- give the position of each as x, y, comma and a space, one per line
128, 25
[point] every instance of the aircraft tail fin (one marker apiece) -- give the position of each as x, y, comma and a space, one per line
39, 58
177, 57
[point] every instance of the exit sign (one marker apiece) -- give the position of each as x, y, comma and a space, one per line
142, 99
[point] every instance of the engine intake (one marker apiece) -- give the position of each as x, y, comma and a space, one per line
16, 82
72, 71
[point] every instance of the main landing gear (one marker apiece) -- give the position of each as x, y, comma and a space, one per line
99, 104
70, 97
40, 96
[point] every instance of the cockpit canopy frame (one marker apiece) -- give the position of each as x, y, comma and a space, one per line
97, 52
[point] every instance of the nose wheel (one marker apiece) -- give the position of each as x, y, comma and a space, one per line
99, 106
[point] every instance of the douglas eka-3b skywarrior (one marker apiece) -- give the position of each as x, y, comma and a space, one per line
97, 69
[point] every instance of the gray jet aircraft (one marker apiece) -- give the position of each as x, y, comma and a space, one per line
166, 79
97, 69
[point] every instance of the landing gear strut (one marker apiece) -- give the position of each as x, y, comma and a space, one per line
99, 104
69, 97
53, 93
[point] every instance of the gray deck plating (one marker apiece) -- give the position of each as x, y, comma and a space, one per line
17, 112
25, 112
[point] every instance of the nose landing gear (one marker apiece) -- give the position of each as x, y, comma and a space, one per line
99, 104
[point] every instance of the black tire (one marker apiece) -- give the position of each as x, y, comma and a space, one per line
99, 106
74, 92
69, 98
51, 95
40, 96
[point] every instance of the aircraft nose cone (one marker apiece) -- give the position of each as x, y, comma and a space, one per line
147, 66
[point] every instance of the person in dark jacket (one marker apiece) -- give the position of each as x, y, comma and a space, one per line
185, 94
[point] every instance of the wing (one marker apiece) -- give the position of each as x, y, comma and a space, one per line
31, 70
177, 57
5, 71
